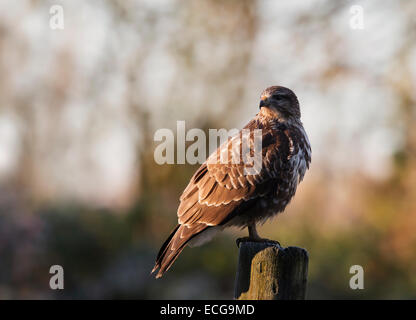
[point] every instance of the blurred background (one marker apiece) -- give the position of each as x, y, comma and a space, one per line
79, 107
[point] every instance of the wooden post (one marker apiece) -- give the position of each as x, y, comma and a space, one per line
266, 271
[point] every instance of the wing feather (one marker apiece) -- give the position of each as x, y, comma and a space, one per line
217, 189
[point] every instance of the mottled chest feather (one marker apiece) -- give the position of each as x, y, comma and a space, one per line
287, 155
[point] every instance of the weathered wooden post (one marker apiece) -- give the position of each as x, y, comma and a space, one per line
266, 271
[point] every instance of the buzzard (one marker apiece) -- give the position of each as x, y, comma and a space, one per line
221, 194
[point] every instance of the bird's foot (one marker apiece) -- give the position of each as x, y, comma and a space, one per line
249, 239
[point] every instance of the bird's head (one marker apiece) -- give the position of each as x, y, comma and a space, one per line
279, 102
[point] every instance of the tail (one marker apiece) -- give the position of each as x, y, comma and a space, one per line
174, 245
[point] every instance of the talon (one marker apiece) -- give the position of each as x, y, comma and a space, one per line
248, 239
239, 240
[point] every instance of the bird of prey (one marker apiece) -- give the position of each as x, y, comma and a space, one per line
221, 195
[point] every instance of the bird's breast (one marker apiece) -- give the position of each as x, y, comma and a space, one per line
291, 172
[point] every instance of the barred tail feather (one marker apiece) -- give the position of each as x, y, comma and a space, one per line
174, 245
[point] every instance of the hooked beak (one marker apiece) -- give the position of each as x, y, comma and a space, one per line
263, 103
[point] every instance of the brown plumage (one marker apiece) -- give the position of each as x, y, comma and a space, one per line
221, 194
